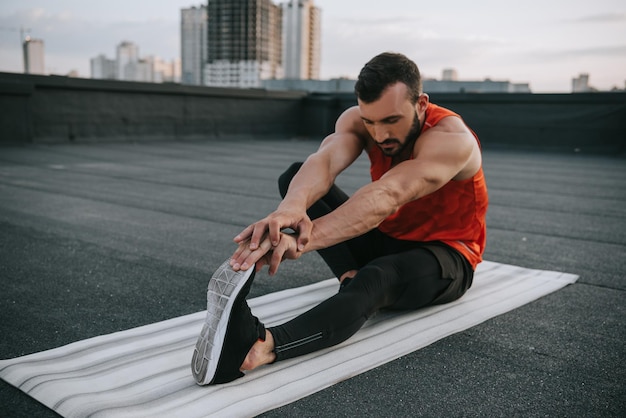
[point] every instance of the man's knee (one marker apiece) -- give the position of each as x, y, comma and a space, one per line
376, 286
286, 177
374, 279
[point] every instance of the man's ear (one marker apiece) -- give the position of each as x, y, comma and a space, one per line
422, 103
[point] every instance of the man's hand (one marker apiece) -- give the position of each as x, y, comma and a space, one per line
265, 253
273, 224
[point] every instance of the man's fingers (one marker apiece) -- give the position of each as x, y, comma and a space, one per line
253, 256
258, 234
275, 259
304, 233
239, 256
244, 254
244, 235
275, 227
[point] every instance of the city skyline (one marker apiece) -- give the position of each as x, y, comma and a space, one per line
545, 44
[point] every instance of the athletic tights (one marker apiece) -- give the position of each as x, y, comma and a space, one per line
392, 274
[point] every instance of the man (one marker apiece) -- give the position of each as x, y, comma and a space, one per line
409, 239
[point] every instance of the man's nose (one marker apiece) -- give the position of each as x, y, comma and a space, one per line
380, 134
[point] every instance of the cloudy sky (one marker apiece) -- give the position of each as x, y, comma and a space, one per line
542, 42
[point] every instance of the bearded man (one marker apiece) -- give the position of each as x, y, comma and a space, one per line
411, 238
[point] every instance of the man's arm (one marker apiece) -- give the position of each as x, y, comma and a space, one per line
312, 182
443, 153
319, 171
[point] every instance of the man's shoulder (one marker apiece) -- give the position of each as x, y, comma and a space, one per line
435, 114
352, 116
350, 122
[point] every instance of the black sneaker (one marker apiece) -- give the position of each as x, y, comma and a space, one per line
229, 330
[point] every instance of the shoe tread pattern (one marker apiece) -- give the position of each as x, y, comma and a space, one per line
220, 291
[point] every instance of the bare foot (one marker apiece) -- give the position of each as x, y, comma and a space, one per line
348, 275
262, 352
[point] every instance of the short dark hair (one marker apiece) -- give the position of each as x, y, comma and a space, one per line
385, 70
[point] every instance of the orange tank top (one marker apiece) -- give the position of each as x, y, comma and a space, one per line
454, 214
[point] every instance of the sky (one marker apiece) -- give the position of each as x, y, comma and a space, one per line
545, 43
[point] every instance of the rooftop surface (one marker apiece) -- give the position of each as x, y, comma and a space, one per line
97, 238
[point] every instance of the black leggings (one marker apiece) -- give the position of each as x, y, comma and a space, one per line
392, 274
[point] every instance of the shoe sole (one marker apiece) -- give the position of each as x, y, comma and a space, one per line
222, 291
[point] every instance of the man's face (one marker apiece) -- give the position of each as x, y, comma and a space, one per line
392, 121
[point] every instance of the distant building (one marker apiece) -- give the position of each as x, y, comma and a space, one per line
143, 70
102, 68
449, 74
33, 56
244, 43
450, 83
164, 71
335, 85
193, 44
128, 66
301, 39
617, 89
153, 69
127, 60
470, 86
580, 84
344, 85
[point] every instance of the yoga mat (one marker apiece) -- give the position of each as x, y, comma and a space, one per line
145, 371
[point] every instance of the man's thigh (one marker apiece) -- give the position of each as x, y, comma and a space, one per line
420, 275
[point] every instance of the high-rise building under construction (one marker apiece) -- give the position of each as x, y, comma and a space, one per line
244, 43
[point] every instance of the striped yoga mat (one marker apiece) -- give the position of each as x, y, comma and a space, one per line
145, 371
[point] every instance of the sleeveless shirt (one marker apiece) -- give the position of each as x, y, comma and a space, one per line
454, 214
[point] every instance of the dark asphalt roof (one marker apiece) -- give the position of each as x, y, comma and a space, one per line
97, 238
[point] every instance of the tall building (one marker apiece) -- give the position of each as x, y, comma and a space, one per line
33, 56
103, 68
193, 44
301, 39
244, 43
127, 59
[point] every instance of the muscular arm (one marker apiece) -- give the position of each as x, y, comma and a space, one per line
312, 181
319, 171
441, 154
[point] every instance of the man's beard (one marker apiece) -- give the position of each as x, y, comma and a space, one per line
409, 140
